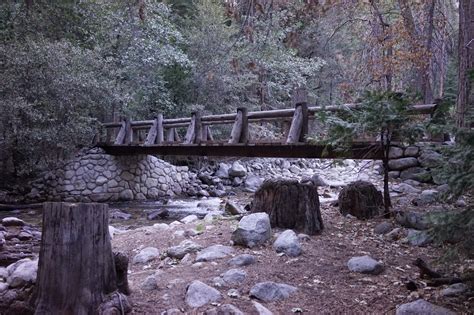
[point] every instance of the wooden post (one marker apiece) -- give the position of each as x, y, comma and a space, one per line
194, 129
299, 123
76, 265
155, 135
197, 128
125, 134
204, 133
170, 135
240, 131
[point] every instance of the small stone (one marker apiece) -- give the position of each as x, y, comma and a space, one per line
185, 247
233, 208
199, 294
365, 264
412, 220
234, 276
271, 291
242, 260
252, 183
288, 243
383, 228
214, 252
145, 255
261, 310
233, 293
189, 219
422, 307
426, 197
455, 289
149, 284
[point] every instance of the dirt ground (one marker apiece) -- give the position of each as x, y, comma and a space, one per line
325, 285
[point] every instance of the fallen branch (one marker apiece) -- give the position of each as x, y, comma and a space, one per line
425, 269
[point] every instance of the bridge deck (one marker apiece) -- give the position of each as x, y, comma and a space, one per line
370, 151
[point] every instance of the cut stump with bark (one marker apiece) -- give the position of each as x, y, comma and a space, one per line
290, 204
360, 199
76, 270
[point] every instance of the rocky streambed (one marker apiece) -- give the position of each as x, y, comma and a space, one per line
184, 259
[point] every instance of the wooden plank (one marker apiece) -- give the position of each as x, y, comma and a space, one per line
151, 137
176, 135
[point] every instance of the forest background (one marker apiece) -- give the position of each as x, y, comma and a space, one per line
68, 65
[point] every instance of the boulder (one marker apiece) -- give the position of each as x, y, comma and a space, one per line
402, 164
233, 208
225, 309
365, 264
406, 188
383, 228
412, 220
253, 230
360, 199
199, 294
395, 153
412, 151
242, 260
185, 247
149, 284
455, 289
237, 170
234, 277
214, 252
418, 238
271, 291
426, 197
430, 159
261, 310
252, 183
416, 173
145, 255
22, 272
189, 219
118, 214
223, 170
12, 221
422, 307
288, 243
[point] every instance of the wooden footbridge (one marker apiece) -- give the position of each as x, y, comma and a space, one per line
161, 137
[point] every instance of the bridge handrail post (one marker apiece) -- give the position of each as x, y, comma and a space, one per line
155, 134
193, 134
240, 130
299, 123
124, 135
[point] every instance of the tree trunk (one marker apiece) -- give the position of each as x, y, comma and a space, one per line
466, 63
76, 265
290, 205
360, 199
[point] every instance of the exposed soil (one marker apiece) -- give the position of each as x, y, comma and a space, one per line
325, 285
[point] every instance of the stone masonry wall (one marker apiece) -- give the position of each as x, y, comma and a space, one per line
416, 163
99, 177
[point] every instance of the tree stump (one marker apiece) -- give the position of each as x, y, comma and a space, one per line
290, 204
360, 199
76, 265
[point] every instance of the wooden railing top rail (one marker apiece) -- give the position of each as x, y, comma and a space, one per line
258, 116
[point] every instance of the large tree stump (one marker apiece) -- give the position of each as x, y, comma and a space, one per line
290, 205
360, 199
76, 265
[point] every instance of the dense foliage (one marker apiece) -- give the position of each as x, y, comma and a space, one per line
68, 65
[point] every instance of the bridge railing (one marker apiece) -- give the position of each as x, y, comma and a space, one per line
161, 131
